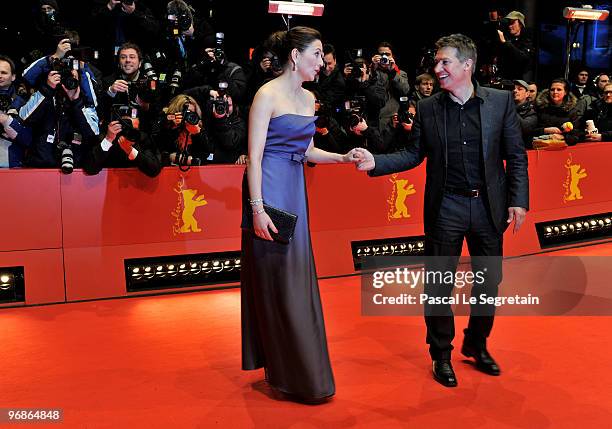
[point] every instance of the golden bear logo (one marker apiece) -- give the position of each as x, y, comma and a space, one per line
184, 212
397, 201
574, 175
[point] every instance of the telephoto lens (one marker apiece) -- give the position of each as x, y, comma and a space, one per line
66, 158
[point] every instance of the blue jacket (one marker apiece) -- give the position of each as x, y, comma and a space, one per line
36, 75
55, 120
15, 136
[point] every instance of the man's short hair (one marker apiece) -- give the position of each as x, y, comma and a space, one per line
329, 49
130, 45
10, 62
384, 45
466, 48
424, 77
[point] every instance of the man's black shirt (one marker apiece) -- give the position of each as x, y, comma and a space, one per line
463, 133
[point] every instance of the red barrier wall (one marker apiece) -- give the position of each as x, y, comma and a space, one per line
73, 232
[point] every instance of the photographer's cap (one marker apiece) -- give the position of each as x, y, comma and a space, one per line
522, 83
515, 14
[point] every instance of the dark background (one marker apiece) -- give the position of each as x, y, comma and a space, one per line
410, 26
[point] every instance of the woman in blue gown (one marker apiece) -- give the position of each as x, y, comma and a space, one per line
282, 321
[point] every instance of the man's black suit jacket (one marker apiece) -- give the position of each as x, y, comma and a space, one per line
501, 141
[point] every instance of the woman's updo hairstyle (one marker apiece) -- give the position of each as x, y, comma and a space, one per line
282, 43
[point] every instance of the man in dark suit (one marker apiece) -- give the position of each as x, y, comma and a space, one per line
466, 132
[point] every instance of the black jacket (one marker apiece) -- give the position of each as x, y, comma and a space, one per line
528, 119
601, 114
550, 115
501, 141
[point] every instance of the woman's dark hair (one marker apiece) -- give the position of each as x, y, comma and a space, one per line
283, 42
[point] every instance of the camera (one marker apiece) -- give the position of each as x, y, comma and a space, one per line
119, 113
275, 65
403, 114
384, 59
145, 89
5, 102
219, 51
189, 117
64, 67
148, 70
66, 157
353, 110
178, 23
175, 81
220, 104
356, 61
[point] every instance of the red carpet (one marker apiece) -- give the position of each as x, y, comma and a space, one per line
174, 362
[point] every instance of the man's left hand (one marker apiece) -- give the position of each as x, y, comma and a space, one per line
516, 214
502, 38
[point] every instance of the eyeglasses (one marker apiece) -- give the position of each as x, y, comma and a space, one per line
607, 92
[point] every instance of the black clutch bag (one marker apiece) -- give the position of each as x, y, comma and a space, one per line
284, 222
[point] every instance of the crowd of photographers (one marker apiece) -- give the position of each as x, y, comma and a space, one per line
155, 88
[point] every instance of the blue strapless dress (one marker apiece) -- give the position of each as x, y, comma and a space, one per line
282, 320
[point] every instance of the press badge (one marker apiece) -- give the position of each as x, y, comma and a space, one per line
50, 138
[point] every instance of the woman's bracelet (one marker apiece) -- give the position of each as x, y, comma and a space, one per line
260, 211
256, 202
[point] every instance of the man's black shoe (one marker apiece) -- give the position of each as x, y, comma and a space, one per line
443, 373
484, 361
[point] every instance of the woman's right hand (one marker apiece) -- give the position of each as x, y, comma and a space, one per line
261, 223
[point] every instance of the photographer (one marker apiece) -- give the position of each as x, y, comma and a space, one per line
329, 136
186, 35
15, 137
213, 68
396, 135
359, 83
128, 86
226, 128
119, 21
329, 84
180, 134
264, 66
124, 145
62, 60
393, 81
61, 119
510, 47
359, 133
47, 25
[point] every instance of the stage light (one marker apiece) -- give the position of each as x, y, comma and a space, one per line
385, 248
585, 13
182, 271
295, 8
565, 231
12, 286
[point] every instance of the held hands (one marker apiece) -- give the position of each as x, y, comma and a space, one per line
516, 214
365, 160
